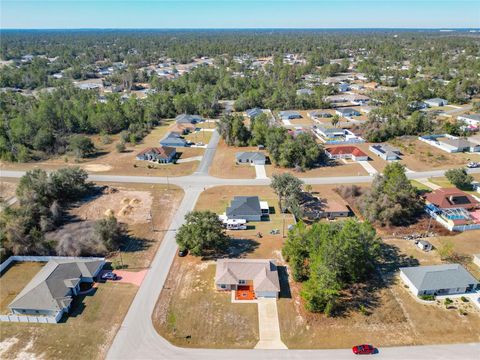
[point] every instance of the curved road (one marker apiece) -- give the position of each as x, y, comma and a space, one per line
137, 338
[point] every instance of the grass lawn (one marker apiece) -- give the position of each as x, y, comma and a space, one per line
340, 169
420, 186
191, 313
199, 136
225, 166
206, 125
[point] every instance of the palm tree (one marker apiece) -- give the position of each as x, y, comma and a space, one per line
335, 120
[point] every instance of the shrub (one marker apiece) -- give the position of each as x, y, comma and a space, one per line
120, 147
464, 299
448, 301
427, 297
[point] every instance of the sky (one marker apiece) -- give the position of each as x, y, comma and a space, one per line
74, 14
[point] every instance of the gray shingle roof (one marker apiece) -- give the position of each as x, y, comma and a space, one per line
185, 118
244, 205
434, 277
253, 112
49, 288
249, 156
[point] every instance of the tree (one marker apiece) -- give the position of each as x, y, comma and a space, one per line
328, 256
202, 234
288, 189
392, 200
335, 120
109, 232
460, 178
81, 146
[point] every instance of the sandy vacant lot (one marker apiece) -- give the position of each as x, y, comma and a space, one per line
419, 156
340, 169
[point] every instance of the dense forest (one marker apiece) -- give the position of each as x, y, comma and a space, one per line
44, 122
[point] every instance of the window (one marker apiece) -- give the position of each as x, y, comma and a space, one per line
223, 286
242, 282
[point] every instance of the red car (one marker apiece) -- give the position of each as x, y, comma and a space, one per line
363, 350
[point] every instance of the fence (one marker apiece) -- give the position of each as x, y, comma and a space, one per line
21, 258
32, 319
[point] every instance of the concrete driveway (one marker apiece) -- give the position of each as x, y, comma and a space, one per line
268, 326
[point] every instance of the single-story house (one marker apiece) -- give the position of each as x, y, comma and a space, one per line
346, 152
251, 157
258, 276
424, 245
347, 112
249, 208
471, 120
342, 87
188, 119
336, 135
446, 279
436, 102
314, 115
173, 139
450, 143
315, 208
385, 151
476, 259
304, 92
451, 198
417, 105
162, 154
289, 115
52, 289
253, 113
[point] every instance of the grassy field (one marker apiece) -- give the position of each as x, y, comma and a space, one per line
191, 313
340, 169
85, 334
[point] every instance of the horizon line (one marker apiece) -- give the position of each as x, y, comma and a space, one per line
250, 28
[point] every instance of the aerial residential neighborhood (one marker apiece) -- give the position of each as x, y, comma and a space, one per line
279, 187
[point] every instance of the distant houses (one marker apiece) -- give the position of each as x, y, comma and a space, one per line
347, 112
446, 279
173, 139
336, 135
289, 115
436, 102
385, 151
162, 154
316, 115
250, 157
472, 120
188, 119
346, 152
51, 291
450, 143
253, 113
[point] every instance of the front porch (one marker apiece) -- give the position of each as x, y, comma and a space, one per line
245, 292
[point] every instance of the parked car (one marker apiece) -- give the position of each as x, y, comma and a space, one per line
363, 349
473, 164
182, 252
109, 275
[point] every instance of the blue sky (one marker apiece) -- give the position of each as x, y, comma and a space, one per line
55, 14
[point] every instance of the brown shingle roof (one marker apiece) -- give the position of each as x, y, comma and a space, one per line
448, 198
162, 151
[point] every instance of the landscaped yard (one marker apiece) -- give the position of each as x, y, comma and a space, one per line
85, 334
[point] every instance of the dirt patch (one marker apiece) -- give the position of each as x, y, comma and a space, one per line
7, 189
97, 167
128, 206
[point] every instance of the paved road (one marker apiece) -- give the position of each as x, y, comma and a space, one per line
209, 154
137, 338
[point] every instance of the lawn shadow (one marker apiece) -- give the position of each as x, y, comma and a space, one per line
78, 306
285, 292
239, 248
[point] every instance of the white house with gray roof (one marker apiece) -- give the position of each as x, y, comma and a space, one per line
260, 275
52, 289
446, 279
250, 157
249, 208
